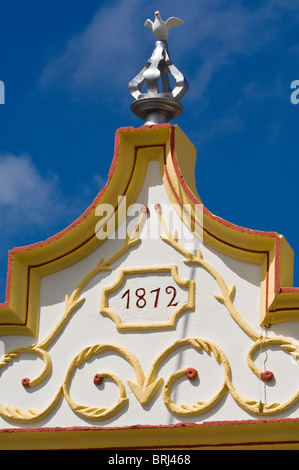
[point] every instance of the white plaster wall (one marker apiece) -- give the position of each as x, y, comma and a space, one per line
209, 320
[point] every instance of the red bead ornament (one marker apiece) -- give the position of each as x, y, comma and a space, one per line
157, 206
98, 379
26, 382
267, 376
191, 373
145, 209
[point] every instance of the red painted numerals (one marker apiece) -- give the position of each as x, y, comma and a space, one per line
140, 297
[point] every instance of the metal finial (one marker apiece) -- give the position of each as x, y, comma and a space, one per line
160, 103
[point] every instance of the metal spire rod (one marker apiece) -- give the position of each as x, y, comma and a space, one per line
160, 103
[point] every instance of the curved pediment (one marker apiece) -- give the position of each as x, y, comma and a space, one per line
149, 276
134, 148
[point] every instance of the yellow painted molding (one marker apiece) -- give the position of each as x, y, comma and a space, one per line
134, 148
146, 386
235, 435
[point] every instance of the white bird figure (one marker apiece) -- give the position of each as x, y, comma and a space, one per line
161, 28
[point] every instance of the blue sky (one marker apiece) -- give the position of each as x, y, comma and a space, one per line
66, 67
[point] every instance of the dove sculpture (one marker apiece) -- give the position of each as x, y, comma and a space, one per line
161, 28
156, 99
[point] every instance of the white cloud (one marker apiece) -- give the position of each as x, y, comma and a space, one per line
99, 181
101, 56
219, 33
114, 47
27, 197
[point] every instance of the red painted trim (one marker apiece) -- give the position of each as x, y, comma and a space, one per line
267, 376
63, 232
150, 426
187, 191
91, 207
196, 201
169, 446
71, 226
191, 373
193, 198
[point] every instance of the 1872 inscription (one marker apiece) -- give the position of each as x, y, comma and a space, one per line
151, 297
141, 297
